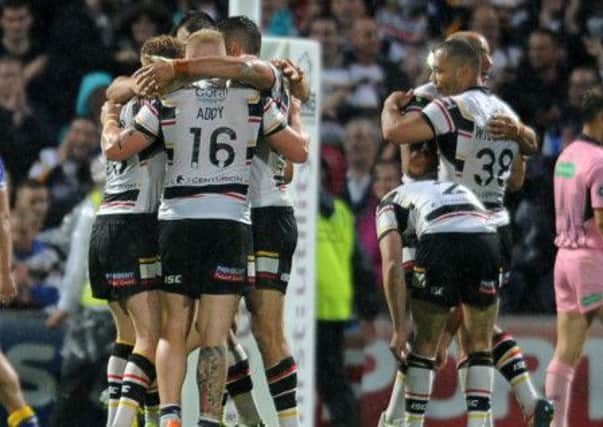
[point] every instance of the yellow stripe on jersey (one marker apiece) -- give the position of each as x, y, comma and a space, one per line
266, 254
254, 99
269, 129
148, 260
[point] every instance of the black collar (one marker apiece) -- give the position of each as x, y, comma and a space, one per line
586, 138
483, 89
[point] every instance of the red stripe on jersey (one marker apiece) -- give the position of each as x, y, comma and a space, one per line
168, 122
268, 104
117, 204
255, 119
465, 133
236, 195
450, 215
153, 109
445, 113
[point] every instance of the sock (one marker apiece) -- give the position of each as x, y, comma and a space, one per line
395, 407
208, 422
509, 361
282, 381
115, 370
478, 395
138, 376
239, 386
151, 406
23, 417
558, 385
461, 371
419, 382
170, 415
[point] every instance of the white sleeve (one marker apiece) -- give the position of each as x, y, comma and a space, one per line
437, 113
147, 120
273, 119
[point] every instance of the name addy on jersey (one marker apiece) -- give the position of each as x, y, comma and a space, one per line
210, 113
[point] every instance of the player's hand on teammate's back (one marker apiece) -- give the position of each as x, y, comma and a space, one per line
397, 345
295, 75
153, 78
501, 126
398, 99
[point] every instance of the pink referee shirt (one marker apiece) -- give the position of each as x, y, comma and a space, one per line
578, 190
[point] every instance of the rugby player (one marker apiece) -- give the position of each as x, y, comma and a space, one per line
458, 262
579, 264
472, 153
123, 260
20, 414
204, 216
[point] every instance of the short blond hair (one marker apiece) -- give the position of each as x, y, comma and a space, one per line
205, 36
163, 46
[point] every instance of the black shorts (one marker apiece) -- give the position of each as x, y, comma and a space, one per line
274, 239
123, 255
204, 256
454, 268
505, 236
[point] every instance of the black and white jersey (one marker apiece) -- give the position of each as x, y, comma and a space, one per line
268, 187
468, 153
134, 185
431, 207
210, 129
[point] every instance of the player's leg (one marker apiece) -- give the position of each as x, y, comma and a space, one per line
274, 241
170, 361
139, 374
225, 279
479, 271
430, 320
572, 328
239, 385
11, 396
120, 353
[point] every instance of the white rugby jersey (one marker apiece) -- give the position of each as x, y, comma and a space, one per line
431, 207
134, 185
210, 130
268, 187
468, 153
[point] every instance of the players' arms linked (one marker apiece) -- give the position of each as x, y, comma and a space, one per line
122, 89
292, 141
298, 84
120, 144
155, 78
403, 129
390, 246
502, 126
518, 174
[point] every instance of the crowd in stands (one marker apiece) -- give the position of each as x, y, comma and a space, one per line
57, 58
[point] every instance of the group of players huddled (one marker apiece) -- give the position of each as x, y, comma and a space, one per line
199, 145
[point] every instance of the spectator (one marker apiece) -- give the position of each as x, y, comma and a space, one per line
281, 21
24, 132
66, 170
344, 280
361, 143
335, 78
32, 196
581, 79
17, 41
139, 22
538, 92
346, 12
36, 265
372, 75
505, 58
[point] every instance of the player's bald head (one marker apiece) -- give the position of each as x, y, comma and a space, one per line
459, 51
205, 43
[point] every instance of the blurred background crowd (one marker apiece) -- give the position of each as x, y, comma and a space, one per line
57, 58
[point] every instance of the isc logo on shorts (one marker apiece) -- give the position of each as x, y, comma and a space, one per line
173, 279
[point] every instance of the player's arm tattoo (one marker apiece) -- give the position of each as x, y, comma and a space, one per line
211, 379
